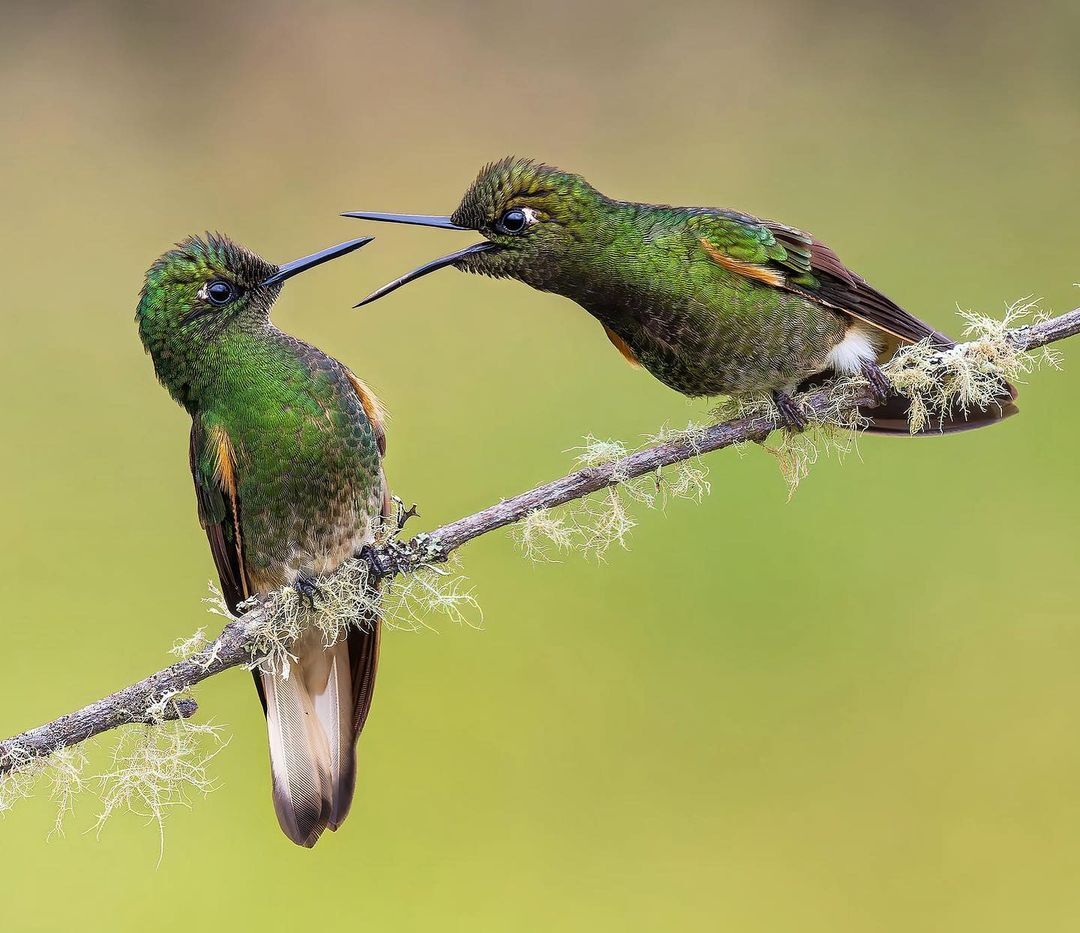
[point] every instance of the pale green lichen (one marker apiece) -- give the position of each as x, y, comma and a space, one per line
162, 764
186, 647
971, 375
411, 601
598, 451
541, 532
61, 771
17, 783
832, 433
602, 520
686, 479
347, 598
796, 452
158, 767
64, 772
341, 600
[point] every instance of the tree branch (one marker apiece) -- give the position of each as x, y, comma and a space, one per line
160, 697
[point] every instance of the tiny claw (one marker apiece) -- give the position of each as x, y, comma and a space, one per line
790, 414
879, 382
384, 561
308, 591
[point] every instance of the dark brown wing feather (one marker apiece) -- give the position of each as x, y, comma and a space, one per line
217, 515
364, 650
364, 637
838, 286
841, 288
219, 520
364, 655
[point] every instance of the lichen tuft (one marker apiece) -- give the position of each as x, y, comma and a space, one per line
157, 767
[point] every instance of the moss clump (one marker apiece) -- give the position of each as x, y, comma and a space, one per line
833, 433
62, 771
541, 532
972, 375
157, 767
594, 524
410, 602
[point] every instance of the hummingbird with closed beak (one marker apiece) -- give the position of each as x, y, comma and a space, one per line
710, 301
285, 450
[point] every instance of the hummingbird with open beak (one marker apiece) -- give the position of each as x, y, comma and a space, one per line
285, 450
710, 301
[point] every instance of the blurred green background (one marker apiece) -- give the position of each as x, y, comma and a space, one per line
855, 711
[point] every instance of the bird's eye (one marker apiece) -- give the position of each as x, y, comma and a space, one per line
220, 293
515, 220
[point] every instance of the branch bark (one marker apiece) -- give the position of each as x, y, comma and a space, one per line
160, 696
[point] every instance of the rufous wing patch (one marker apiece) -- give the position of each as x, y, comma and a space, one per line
750, 270
224, 460
224, 454
372, 408
622, 346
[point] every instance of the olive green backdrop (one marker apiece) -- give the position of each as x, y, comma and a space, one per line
856, 711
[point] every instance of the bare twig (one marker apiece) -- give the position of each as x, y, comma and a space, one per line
161, 695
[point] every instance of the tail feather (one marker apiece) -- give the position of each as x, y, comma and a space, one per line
299, 758
328, 676
892, 417
363, 658
314, 718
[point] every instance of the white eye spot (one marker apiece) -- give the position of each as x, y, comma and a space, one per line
516, 220
202, 294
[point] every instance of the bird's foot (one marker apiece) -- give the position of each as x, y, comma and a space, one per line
307, 590
403, 514
791, 415
388, 560
879, 382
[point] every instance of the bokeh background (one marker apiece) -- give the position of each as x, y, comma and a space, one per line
855, 711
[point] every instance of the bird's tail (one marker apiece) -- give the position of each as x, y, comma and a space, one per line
893, 416
314, 717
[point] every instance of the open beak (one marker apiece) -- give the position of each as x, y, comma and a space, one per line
425, 269
420, 220
289, 269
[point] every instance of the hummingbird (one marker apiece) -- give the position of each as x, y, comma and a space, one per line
710, 301
286, 451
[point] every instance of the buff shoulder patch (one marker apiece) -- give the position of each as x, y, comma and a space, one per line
221, 449
750, 270
224, 460
623, 347
372, 408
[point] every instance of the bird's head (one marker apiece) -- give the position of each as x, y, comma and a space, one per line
537, 222
204, 289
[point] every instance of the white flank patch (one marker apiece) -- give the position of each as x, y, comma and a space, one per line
856, 348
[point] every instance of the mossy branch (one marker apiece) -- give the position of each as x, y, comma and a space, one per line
825, 402
243, 642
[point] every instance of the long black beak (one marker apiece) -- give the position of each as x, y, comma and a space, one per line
290, 269
421, 220
426, 268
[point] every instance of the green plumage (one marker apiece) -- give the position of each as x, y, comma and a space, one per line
710, 301
288, 477
642, 271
